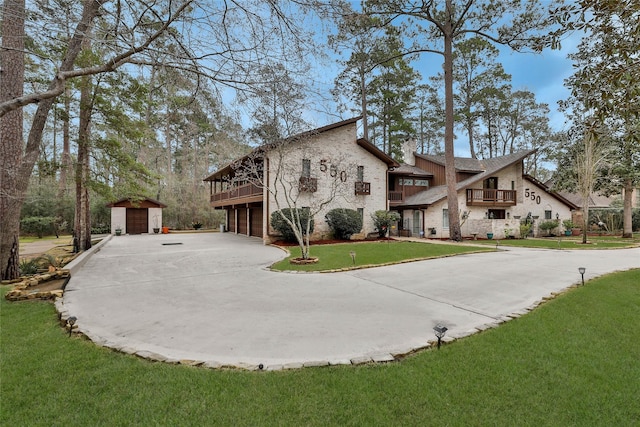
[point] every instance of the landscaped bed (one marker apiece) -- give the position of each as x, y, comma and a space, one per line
561, 242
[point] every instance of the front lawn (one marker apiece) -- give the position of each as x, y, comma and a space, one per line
564, 242
337, 256
573, 361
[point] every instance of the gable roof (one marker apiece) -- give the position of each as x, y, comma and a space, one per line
567, 201
127, 202
483, 168
406, 169
298, 137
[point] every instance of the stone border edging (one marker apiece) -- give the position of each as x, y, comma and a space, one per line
81, 259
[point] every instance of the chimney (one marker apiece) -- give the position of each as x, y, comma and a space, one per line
408, 150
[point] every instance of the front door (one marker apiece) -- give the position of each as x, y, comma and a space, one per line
416, 223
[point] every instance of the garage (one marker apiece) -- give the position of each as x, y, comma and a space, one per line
231, 216
137, 220
242, 221
256, 222
136, 216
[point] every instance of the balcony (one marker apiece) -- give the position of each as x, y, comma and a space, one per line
363, 188
396, 197
490, 197
307, 184
246, 193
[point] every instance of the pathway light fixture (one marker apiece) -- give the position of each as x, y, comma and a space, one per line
440, 330
581, 270
70, 322
353, 257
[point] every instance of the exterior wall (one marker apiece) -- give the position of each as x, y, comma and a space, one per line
155, 217
334, 156
118, 219
530, 199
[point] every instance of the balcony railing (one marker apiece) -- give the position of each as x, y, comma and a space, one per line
235, 194
363, 188
396, 196
307, 184
490, 197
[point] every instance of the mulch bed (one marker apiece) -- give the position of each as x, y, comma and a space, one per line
287, 243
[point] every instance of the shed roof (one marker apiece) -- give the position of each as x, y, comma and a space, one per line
144, 202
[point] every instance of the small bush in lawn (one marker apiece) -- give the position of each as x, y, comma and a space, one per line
383, 220
344, 222
281, 226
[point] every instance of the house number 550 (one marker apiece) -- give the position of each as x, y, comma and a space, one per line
333, 170
532, 195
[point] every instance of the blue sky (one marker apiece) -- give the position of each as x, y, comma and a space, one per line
542, 74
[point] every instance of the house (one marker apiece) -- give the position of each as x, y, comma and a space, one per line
322, 169
136, 216
494, 195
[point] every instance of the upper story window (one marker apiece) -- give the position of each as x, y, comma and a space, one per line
306, 168
360, 173
406, 181
421, 182
490, 183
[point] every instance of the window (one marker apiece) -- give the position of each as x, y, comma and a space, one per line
547, 214
445, 218
406, 181
421, 182
361, 212
513, 185
497, 213
360, 173
306, 168
490, 183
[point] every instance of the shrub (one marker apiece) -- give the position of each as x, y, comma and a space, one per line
548, 226
280, 225
568, 224
383, 220
344, 222
38, 225
525, 228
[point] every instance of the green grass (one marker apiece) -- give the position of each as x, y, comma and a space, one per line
573, 361
565, 242
62, 240
334, 257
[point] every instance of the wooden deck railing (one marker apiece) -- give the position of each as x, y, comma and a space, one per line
491, 197
236, 193
396, 196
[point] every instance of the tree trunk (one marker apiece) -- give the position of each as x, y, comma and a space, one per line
22, 158
450, 170
11, 141
627, 217
82, 223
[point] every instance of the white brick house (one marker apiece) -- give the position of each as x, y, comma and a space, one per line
325, 168
494, 195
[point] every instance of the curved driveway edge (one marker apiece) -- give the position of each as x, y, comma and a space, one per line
207, 299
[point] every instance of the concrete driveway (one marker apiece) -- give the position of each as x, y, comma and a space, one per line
209, 299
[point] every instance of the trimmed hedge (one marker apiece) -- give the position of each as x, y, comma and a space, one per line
344, 222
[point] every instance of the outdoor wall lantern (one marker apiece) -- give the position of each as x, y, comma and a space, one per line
581, 270
440, 331
353, 257
70, 322
557, 216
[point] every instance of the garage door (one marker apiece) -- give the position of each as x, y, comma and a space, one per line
256, 222
242, 221
231, 214
137, 221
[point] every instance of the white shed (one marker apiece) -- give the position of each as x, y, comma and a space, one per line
136, 216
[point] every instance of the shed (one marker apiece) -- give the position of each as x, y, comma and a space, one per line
136, 216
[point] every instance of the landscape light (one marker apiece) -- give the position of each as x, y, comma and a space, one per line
353, 257
440, 331
70, 322
581, 270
